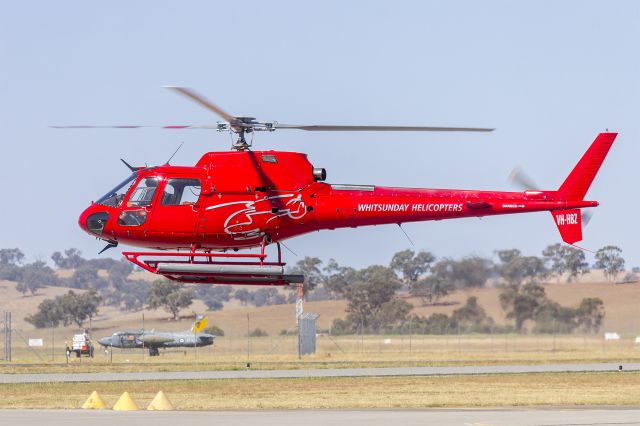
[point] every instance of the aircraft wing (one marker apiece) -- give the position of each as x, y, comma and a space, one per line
150, 339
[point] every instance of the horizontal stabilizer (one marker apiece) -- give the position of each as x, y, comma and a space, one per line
569, 223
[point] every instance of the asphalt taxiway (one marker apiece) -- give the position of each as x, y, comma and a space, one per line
319, 372
440, 417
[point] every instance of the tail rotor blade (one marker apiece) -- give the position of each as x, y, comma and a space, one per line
586, 216
519, 179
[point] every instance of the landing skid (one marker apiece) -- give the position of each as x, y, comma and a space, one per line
201, 267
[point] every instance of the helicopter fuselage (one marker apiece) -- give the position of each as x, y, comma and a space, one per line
234, 200
243, 199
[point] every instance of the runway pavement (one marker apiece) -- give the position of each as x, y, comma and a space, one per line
440, 417
302, 373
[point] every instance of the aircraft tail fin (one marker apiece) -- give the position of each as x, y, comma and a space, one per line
575, 187
199, 324
569, 223
577, 184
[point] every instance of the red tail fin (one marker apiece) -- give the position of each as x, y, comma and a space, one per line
579, 180
569, 223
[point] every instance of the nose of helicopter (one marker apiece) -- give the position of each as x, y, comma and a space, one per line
82, 220
93, 220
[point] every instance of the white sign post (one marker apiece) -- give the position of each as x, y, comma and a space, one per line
611, 336
36, 342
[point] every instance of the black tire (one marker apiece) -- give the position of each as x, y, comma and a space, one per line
78, 353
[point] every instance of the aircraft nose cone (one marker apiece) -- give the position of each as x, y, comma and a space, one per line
105, 341
82, 220
93, 220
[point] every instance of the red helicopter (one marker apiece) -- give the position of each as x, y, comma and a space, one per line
200, 216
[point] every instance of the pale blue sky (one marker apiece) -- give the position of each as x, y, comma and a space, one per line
548, 75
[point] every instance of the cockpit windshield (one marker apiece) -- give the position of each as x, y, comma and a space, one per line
144, 192
114, 197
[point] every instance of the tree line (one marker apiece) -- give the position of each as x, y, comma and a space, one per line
375, 294
377, 303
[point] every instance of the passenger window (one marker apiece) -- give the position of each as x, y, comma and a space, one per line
179, 191
143, 194
132, 218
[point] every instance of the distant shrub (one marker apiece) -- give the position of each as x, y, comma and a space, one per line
215, 330
258, 332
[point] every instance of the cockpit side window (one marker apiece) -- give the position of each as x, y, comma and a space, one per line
181, 191
143, 194
114, 197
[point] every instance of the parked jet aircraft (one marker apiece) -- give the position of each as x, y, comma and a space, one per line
154, 340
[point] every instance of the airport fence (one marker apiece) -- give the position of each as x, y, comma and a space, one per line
45, 346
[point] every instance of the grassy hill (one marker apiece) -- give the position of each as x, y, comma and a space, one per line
620, 304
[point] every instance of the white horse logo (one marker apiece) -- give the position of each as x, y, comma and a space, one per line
296, 209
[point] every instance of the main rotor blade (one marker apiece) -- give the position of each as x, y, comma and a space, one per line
204, 102
127, 126
340, 128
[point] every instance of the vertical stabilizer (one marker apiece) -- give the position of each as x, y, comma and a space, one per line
577, 184
569, 223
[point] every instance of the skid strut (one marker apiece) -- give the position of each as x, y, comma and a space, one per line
203, 267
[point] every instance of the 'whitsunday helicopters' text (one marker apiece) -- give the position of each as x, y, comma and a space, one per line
409, 207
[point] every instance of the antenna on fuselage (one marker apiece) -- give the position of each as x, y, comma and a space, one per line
129, 166
174, 153
405, 234
110, 244
291, 251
